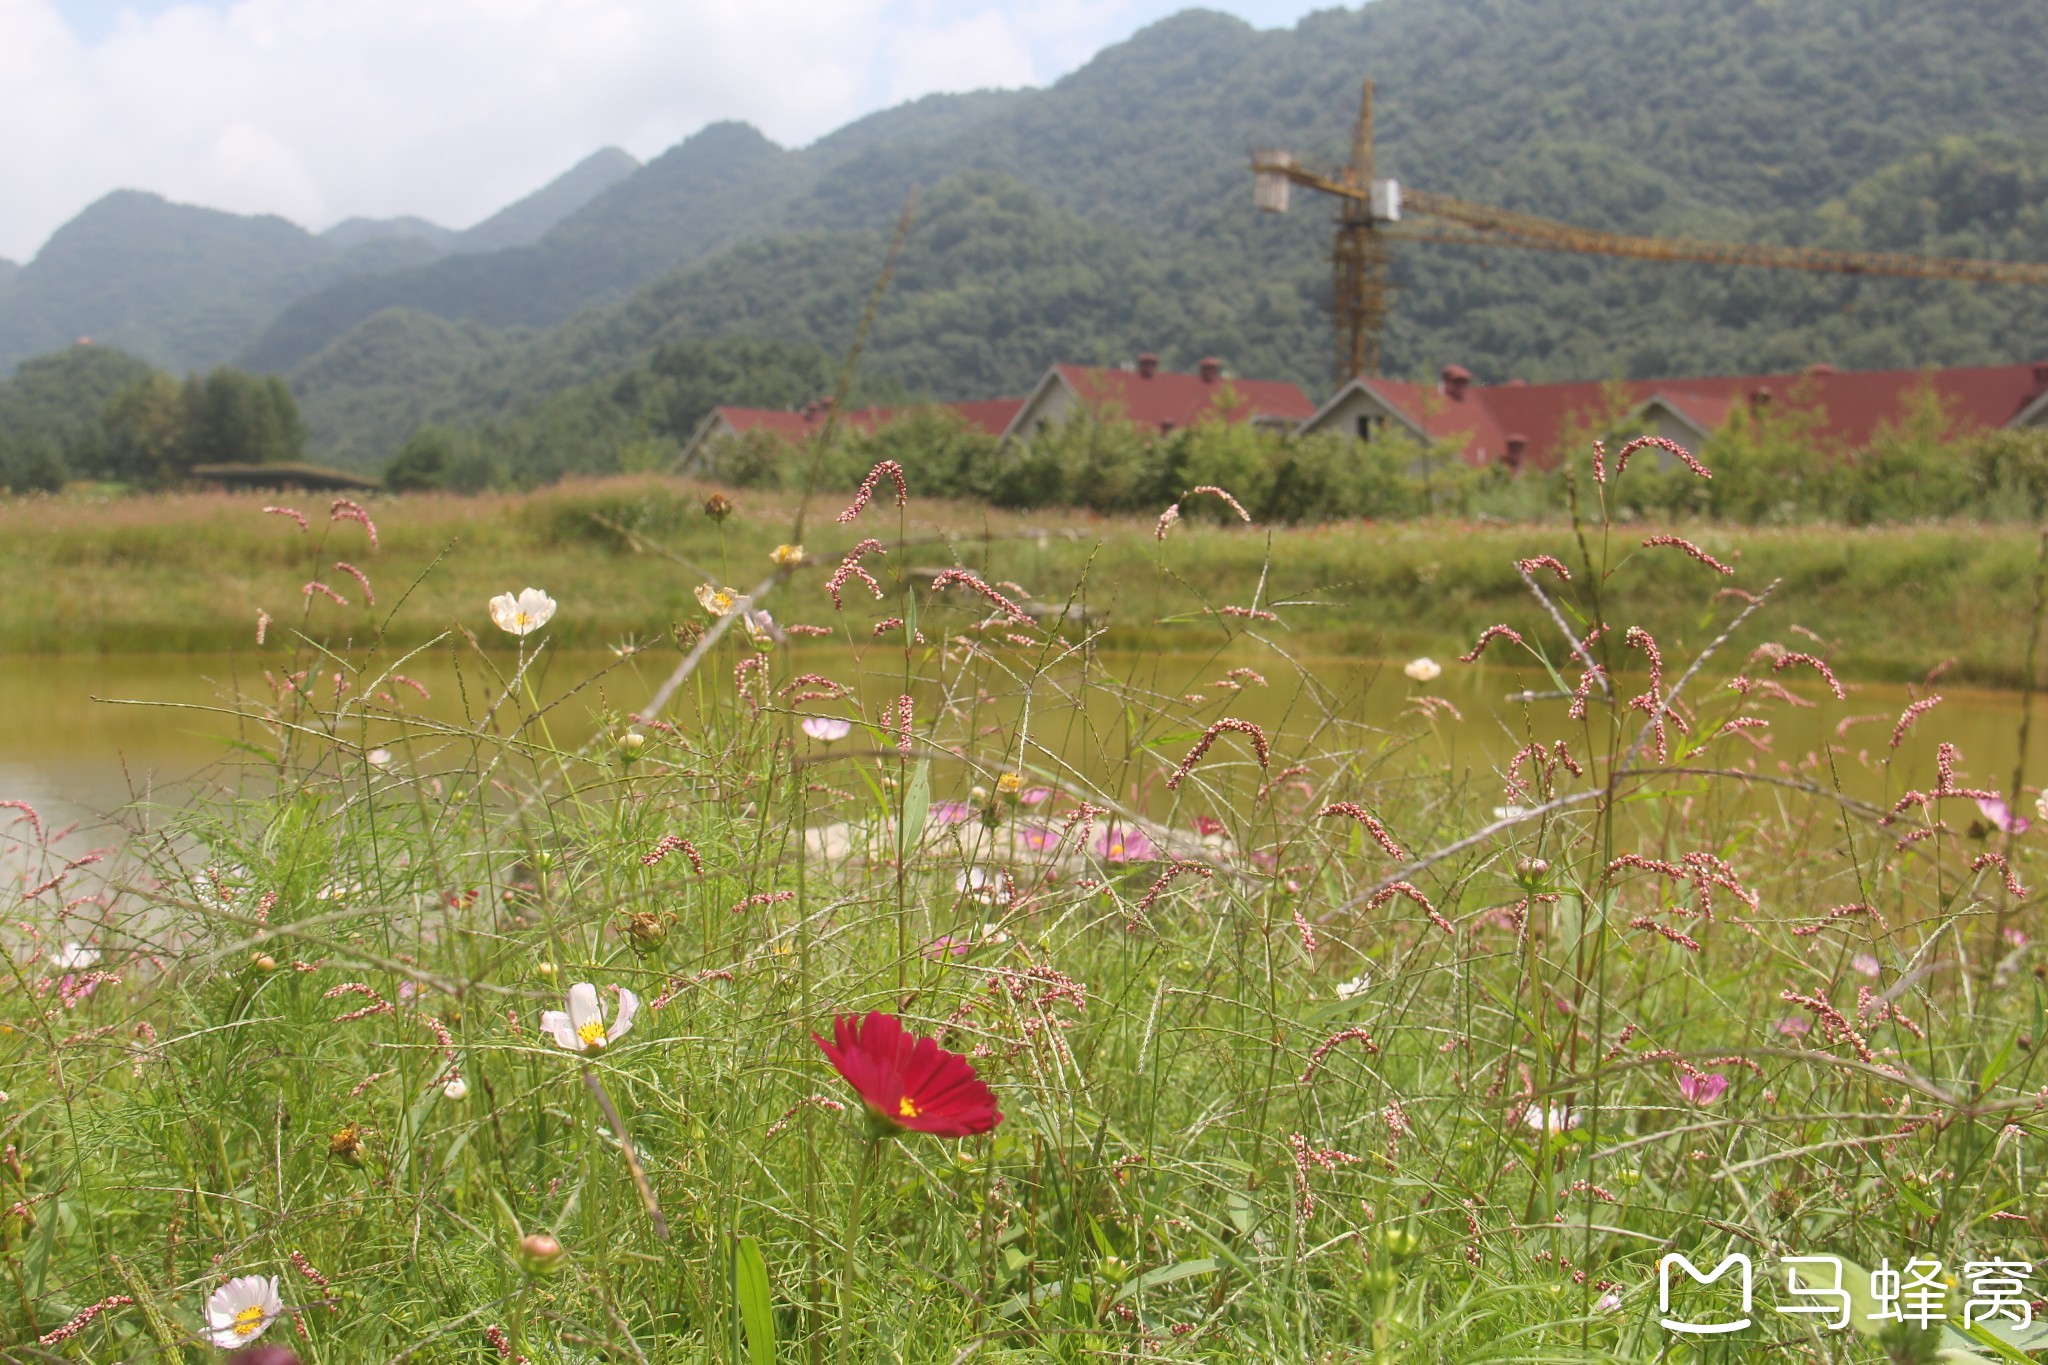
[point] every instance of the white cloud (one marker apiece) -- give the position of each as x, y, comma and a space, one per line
323, 109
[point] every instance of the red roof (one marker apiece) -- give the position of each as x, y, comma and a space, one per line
1849, 408
1165, 400
991, 415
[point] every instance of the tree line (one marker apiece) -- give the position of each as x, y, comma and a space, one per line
96, 413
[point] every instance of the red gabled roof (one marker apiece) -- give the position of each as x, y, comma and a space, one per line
1166, 401
1849, 407
991, 415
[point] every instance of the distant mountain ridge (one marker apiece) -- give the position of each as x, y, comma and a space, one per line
1111, 212
188, 288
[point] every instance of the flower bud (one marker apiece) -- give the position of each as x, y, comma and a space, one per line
544, 968
645, 932
1399, 1242
539, 1253
346, 1145
456, 1089
718, 507
1531, 871
630, 744
263, 962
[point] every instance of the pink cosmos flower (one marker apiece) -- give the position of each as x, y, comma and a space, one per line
1035, 796
1865, 963
1702, 1087
1120, 845
1038, 838
826, 729
951, 812
2000, 814
1795, 1026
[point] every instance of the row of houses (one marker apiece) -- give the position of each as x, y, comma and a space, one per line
1518, 424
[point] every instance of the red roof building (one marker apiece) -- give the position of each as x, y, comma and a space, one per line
1157, 400
1529, 423
989, 415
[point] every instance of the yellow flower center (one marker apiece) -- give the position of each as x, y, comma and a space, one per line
592, 1034
248, 1320
906, 1108
520, 618
1116, 850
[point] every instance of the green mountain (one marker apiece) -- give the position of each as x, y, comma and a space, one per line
187, 288
178, 286
1111, 212
527, 221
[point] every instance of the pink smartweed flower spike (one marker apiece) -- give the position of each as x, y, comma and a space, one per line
294, 513
1788, 660
1331, 1044
1209, 737
1213, 491
1550, 562
1166, 521
1695, 551
1372, 826
1488, 636
84, 1320
317, 586
962, 578
1413, 893
345, 510
1911, 714
362, 580
669, 843
850, 568
1660, 443
883, 469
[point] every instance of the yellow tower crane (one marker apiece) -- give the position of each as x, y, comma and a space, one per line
1372, 213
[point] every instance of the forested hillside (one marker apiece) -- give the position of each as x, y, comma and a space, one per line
188, 287
1111, 212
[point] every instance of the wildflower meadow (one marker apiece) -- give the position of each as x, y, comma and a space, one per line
889, 972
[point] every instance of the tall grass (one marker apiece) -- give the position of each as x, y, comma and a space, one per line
190, 573
1308, 1046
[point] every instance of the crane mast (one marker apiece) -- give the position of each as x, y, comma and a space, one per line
1372, 213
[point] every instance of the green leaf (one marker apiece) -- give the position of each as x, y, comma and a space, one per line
917, 801
1180, 1270
756, 1300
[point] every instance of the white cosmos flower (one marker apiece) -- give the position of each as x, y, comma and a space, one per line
239, 1311
378, 757
456, 1089
1555, 1118
582, 1028
982, 884
76, 957
827, 728
1354, 987
524, 614
1424, 669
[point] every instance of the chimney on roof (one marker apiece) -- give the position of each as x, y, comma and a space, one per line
2041, 374
1210, 368
1456, 379
1518, 446
1517, 384
1759, 399
1148, 365
1820, 367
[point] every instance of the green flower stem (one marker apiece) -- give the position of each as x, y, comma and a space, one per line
846, 1272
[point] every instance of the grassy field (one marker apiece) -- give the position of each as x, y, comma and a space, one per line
185, 573
1307, 1046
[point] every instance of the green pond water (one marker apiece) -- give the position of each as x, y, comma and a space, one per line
73, 744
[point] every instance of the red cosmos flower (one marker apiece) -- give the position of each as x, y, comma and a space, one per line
909, 1082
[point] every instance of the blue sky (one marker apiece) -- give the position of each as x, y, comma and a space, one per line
324, 109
